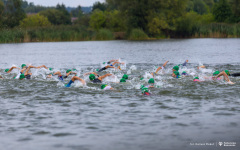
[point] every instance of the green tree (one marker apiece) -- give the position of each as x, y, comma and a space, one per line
84, 20
35, 21
190, 5
13, 13
114, 21
100, 6
56, 17
200, 7
187, 25
236, 10
98, 20
222, 11
140, 14
157, 25
77, 12
1, 12
209, 3
66, 15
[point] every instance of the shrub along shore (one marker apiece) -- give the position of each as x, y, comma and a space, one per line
78, 33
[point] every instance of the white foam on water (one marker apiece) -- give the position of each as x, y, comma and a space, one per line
133, 67
78, 84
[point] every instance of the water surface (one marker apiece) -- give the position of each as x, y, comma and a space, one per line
41, 114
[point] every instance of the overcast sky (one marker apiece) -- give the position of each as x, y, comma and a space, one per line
72, 3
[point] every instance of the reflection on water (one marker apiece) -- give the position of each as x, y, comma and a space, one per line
42, 114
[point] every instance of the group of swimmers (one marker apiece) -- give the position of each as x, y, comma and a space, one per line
94, 77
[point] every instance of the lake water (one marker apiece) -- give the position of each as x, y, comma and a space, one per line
42, 114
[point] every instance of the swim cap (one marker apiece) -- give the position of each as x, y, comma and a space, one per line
68, 70
176, 73
184, 72
91, 77
125, 76
227, 72
176, 68
216, 73
23, 65
144, 90
196, 78
142, 78
103, 86
50, 69
123, 80
151, 80
22, 76
6, 70
97, 69
74, 69
104, 62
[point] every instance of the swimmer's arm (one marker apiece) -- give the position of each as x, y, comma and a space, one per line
68, 74
26, 73
226, 78
104, 76
113, 60
91, 73
12, 69
152, 74
23, 70
165, 63
117, 63
185, 63
43, 66
49, 76
83, 82
159, 68
109, 66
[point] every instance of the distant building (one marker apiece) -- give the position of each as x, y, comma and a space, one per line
74, 19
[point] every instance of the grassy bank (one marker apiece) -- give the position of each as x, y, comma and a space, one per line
78, 33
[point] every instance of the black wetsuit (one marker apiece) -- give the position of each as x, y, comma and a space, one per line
104, 68
235, 75
28, 76
96, 81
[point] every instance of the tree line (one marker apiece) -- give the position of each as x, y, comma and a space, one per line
135, 19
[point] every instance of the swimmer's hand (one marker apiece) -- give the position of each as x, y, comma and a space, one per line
49, 76
214, 78
230, 82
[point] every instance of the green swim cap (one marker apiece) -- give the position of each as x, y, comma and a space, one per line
176, 68
144, 90
184, 72
50, 69
68, 70
91, 77
142, 78
97, 69
123, 80
104, 62
216, 73
227, 72
176, 73
22, 76
196, 78
103, 86
74, 69
6, 70
23, 65
151, 80
125, 76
